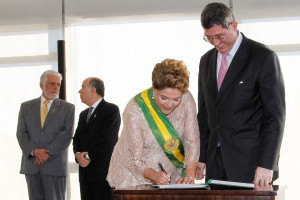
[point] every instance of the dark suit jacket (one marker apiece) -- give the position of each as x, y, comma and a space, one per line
246, 116
98, 138
56, 135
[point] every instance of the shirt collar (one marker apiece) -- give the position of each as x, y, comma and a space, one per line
43, 99
235, 47
236, 44
96, 104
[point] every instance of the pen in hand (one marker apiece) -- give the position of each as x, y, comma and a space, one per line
162, 168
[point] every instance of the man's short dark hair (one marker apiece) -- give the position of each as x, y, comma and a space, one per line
216, 14
98, 84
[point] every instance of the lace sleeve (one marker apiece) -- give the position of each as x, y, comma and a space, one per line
191, 131
133, 129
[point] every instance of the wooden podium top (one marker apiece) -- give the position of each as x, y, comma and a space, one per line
142, 192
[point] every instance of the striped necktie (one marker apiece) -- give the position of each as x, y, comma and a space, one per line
89, 114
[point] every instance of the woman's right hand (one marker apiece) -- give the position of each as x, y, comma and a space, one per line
162, 178
158, 178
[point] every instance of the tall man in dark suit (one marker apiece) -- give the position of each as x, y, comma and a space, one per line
45, 130
241, 119
94, 140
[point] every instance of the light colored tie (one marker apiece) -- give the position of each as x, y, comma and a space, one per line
223, 70
89, 114
44, 112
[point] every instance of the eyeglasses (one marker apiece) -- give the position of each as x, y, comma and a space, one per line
216, 37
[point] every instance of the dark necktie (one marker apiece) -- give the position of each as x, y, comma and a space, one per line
89, 114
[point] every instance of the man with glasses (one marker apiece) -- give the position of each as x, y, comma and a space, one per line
241, 102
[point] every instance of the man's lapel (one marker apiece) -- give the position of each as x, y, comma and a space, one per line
36, 109
96, 113
52, 111
237, 64
212, 84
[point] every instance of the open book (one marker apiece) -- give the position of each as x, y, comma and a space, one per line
230, 183
181, 186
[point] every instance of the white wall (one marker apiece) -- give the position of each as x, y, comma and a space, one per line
22, 63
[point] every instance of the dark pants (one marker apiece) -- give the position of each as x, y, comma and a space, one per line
217, 168
95, 190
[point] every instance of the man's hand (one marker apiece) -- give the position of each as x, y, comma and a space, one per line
263, 188
41, 154
81, 160
38, 162
200, 171
263, 176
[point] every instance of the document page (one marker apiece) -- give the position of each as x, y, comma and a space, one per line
181, 186
229, 183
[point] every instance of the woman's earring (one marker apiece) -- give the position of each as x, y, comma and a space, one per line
153, 96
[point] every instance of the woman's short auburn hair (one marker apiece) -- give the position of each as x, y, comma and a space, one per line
171, 73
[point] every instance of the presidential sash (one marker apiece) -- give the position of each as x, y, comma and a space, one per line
162, 129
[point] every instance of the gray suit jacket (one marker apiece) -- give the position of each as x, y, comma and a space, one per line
55, 136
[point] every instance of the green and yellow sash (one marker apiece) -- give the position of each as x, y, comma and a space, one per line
162, 129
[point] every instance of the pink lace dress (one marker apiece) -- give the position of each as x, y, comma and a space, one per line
137, 148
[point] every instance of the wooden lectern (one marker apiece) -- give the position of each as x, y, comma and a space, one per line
146, 192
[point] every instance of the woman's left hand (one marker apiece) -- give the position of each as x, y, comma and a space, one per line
185, 180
